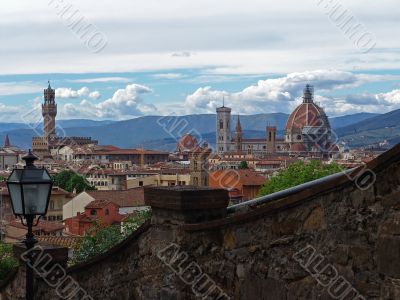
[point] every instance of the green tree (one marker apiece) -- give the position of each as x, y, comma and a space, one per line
100, 237
69, 180
243, 165
7, 260
298, 173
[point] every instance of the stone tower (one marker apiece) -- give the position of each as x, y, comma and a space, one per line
238, 135
271, 139
199, 166
223, 132
49, 112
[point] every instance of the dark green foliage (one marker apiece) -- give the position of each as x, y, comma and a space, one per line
243, 165
298, 173
101, 238
7, 260
69, 180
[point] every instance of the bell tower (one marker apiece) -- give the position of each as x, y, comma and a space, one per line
223, 129
49, 113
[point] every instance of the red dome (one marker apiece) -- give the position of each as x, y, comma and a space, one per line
298, 147
307, 114
187, 143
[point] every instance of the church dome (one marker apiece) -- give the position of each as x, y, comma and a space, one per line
187, 143
298, 147
307, 114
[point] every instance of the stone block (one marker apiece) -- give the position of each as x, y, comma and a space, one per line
388, 256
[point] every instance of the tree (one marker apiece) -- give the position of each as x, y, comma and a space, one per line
298, 173
243, 165
101, 238
69, 180
7, 260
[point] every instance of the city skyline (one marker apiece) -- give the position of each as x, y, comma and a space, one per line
179, 58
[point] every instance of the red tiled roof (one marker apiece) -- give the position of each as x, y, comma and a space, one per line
246, 177
63, 241
98, 204
45, 226
125, 198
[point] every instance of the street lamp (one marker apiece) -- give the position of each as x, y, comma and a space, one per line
29, 190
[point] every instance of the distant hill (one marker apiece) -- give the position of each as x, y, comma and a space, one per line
155, 132
373, 130
343, 121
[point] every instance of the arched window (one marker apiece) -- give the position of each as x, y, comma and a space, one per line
221, 124
107, 212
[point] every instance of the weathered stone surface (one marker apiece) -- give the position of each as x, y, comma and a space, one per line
315, 220
387, 256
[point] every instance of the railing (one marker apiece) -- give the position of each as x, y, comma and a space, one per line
284, 193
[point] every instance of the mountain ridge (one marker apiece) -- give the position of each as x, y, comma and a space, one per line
146, 130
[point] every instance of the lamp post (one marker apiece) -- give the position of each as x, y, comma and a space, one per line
29, 190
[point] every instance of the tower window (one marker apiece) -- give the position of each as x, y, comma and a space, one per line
221, 124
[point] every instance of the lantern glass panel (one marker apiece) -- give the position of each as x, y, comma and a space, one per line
15, 193
35, 198
16, 175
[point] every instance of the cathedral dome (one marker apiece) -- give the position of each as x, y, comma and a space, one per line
307, 114
298, 147
187, 143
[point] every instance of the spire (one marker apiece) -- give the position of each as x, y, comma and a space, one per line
308, 94
238, 125
49, 84
7, 142
223, 101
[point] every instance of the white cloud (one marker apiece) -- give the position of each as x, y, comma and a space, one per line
233, 36
182, 54
95, 95
67, 93
19, 88
125, 103
283, 94
168, 75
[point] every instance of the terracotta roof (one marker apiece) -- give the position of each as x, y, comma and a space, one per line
45, 226
125, 198
62, 241
120, 152
98, 204
246, 177
187, 143
270, 162
298, 147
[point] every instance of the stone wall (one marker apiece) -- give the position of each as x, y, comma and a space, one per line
330, 241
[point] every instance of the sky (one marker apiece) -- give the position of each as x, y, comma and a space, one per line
122, 59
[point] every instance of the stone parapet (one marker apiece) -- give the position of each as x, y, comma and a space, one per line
186, 204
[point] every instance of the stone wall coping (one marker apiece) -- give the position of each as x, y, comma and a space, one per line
376, 165
186, 198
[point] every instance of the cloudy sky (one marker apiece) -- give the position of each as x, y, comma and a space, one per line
121, 59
